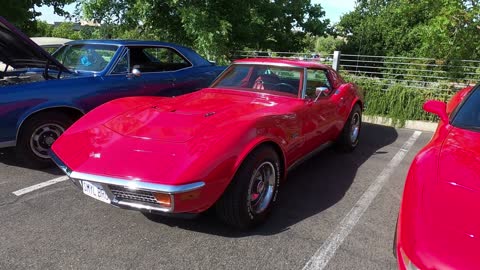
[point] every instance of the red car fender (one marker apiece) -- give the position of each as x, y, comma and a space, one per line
411, 219
252, 145
347, 96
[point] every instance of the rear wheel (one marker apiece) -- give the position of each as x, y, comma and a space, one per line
37, 136
349, 138
250, 196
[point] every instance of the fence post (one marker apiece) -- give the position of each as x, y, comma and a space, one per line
336, 60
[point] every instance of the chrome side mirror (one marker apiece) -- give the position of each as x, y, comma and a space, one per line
135, 73
319, 91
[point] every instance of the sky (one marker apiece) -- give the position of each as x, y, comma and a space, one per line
334, 9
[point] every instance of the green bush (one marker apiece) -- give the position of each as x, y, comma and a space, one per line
398, 101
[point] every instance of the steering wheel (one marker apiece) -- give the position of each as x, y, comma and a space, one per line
285, 87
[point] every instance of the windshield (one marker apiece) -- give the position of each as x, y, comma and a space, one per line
85, 57
468, 116
262, 78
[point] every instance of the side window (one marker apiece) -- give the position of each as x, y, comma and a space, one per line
122, 65
336, 79
157, 59
316, 78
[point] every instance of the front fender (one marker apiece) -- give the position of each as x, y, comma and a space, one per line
45, 106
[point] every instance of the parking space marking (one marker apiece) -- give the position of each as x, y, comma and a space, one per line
40, 185
323, 255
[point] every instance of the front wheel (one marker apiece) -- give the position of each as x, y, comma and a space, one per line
248, 199
37, 136
349, 138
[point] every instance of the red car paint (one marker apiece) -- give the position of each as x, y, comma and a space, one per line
439, 225
202, 136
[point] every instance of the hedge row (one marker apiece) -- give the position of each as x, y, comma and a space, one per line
398, 101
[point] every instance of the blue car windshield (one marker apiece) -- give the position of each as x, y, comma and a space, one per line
86, 57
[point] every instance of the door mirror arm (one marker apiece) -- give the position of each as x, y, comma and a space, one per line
320, 91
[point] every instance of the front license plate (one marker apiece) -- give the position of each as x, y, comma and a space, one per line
95, 191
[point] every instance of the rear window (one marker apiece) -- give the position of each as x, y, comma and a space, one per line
468, 116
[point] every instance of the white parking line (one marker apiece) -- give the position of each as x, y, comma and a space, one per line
323, 255
40, 185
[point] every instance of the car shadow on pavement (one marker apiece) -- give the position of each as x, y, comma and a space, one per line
7, 157
311, 188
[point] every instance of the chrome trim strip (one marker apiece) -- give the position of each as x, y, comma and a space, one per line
8, 144
309, 155
139, 206
133, 184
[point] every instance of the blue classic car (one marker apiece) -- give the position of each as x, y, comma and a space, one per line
41, 95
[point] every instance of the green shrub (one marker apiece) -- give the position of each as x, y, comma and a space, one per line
398, 101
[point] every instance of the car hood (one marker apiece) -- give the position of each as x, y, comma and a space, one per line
19, 51
180, 119
163, 140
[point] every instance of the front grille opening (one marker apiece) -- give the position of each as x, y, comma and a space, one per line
122, 193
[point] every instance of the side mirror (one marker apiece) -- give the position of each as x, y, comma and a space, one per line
437, 107
136, 72
320, 91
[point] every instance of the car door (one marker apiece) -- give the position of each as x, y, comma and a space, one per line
320, 113
159, 66
119, 81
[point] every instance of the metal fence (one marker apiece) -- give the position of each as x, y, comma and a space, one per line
414, 72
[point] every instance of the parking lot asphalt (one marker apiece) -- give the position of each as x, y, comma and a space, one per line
57, 227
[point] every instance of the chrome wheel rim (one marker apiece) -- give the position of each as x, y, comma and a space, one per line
43, 137
355, 127
262, 184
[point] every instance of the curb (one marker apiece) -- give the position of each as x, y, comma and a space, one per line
410, 124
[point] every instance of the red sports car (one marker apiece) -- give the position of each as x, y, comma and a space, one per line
439, 224
228, 146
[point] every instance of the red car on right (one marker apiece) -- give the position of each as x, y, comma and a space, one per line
439, 219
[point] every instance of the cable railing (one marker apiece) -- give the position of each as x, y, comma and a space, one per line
412, 72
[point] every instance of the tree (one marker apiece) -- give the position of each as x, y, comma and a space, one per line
441, 29
214, 27
22, 13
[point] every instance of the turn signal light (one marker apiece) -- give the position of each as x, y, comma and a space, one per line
163, 199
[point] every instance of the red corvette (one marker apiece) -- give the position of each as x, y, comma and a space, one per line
439, 225
227, 146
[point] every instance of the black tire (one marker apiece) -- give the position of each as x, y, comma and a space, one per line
235, 206
345, 141
25, 150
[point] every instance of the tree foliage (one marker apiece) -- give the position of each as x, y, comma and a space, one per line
214, 27
22, 12
441, 29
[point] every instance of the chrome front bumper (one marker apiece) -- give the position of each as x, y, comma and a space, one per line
130, 194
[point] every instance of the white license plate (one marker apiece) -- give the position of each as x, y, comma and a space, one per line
95, 191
